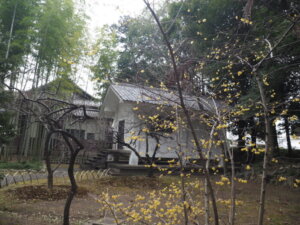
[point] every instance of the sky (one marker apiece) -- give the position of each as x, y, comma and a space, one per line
109, 11
103, 12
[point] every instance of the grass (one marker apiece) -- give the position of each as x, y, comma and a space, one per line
33, 165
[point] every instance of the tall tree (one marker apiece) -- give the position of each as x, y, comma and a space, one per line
58, 44
16, 21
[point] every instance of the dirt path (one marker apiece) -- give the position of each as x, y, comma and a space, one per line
49, 212
282, 202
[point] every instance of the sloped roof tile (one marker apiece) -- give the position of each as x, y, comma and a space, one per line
135, 93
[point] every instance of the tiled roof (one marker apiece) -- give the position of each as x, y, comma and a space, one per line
89, 103
90, 113
135, 93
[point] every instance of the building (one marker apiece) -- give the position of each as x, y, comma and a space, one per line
144, 117
31, 133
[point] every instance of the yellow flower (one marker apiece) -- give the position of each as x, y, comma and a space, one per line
146, 130
114, 196
293, 118
242, 181
284, 112
220, 183
274, 160
280, 179
239, 73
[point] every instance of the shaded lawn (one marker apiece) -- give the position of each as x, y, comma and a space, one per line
283, 203
33, 165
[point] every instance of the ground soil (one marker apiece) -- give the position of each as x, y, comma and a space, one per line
35, 205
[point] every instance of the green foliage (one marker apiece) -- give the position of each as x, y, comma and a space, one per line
105, 52
33, 165
143, 54
58, 40
7, 131
221, 41
20, 37
130, 51
49, 32
64, 88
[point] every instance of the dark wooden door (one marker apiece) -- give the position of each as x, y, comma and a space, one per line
121, 131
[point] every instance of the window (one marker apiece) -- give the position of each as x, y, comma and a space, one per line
121, 131
90, 136
77, 133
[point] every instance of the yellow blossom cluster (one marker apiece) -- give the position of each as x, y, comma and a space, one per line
228, 202
202, 21
137, 137
296, 183
280, 179
224, 180
244, 20
274, 160
222, 126
157, 207
296, 100
240, 180
256, 151
293, 118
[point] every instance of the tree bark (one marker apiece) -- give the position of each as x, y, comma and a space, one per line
275, 146
11, 31
48, 162
232, 179
288, 137
232, 190
241, 134
73, 190
269, 143
185, 111
253, 133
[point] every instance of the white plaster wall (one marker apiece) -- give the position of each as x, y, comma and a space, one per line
168, 146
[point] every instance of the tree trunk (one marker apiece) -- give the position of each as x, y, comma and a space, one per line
233, 192
274, 142
206, 193
73, 189
230, 152
269, 143
10, 32
253, 133
50, 179
185, 111
241, 133
288, 137
47, 161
